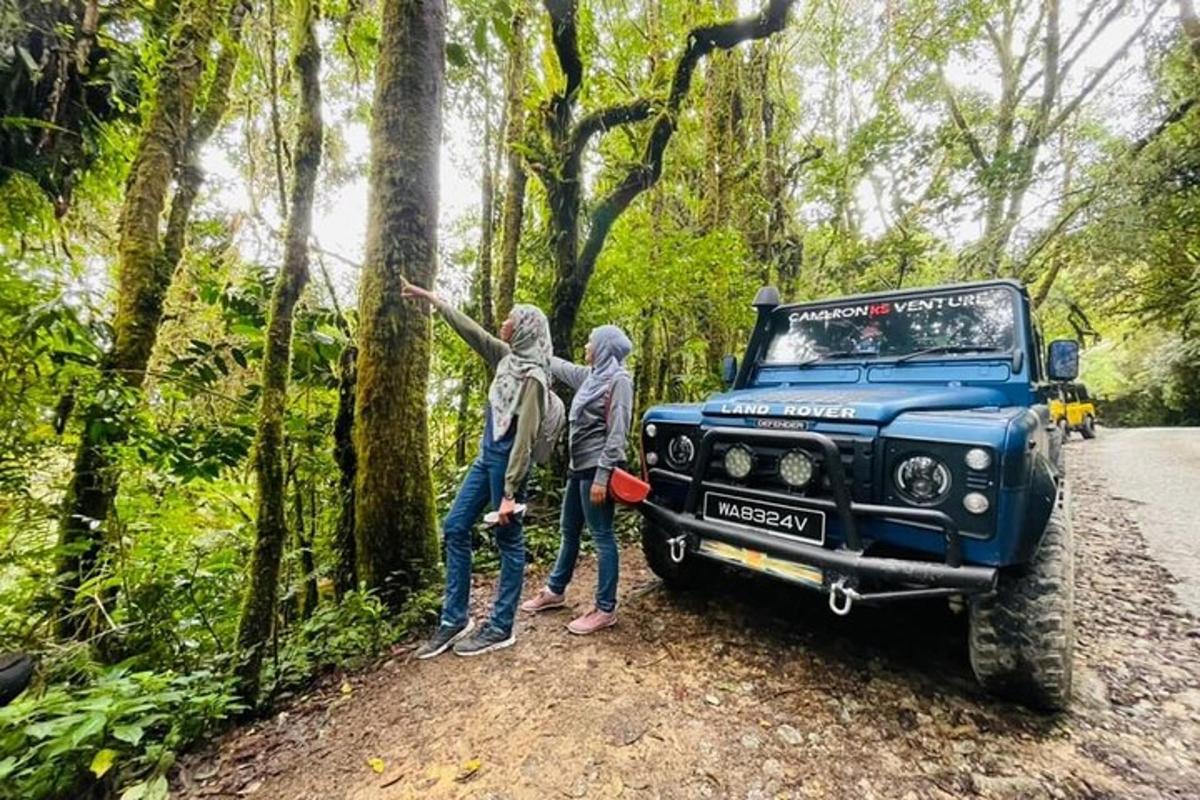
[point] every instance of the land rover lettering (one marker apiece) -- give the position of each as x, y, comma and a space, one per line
789, 410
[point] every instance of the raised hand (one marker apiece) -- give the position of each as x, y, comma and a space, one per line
411, 291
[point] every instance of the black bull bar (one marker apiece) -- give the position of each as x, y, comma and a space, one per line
918, 578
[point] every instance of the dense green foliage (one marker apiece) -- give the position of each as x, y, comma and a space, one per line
866, 146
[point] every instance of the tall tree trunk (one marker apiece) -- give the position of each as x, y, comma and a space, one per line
142, 282
722, 111
487, 217
514, 190
258, 611
395, 517
462, 416
306, 597
191, 175
345, 573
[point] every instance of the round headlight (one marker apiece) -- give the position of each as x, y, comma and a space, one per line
738, 461
979, 459
796, 468
680, 452
651, 430
652, 458
976, 503
923, 480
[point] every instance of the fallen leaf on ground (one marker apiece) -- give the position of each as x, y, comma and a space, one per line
468, 770
346, 687
376, 764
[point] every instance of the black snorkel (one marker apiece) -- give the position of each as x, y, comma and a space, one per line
765, 302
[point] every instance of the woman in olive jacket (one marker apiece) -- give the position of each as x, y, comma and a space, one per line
517, 400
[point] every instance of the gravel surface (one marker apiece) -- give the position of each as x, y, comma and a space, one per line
1158, 471
754, 690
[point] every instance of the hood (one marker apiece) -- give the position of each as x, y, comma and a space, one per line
851, 403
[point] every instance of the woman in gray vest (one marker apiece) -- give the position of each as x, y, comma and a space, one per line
599, 419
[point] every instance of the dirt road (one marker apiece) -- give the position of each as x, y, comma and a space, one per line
756, 691
1158, 470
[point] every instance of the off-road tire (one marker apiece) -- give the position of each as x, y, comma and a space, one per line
694, 572
1022, 636
1089, 427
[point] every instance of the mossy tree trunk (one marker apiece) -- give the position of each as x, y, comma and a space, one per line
190, 174
258, 610
395, 517
143, 278
513, 211
345, 573
487, 216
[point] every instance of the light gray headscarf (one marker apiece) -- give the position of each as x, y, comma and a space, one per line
528, 357
610, 348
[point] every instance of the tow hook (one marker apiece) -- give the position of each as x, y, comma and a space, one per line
678, 547
841, 597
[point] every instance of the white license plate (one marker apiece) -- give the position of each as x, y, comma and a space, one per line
804, 524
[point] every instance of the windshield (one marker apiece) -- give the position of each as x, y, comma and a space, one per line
945, 322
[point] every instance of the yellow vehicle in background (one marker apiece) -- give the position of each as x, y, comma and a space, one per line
1073, 410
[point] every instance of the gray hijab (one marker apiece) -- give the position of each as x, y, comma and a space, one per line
610, 348
528, 357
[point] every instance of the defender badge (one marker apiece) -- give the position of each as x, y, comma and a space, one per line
782, 424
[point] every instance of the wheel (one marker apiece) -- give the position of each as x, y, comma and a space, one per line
1022, 636
1089, 427
693, 572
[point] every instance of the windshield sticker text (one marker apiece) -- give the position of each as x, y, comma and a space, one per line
869, 310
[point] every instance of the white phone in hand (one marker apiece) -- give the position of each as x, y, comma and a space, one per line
492, 518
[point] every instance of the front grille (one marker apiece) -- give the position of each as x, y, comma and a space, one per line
857, 455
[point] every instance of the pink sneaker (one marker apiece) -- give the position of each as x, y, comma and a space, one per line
544, 601
593, 621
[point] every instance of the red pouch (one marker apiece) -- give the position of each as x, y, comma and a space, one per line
627, 488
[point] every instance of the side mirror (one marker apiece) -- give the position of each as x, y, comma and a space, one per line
729, 367
1062, 363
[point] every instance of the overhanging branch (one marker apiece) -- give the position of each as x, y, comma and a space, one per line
1099, 75
1179, 112
1080, 26
961, 123
700, 42
564, 33
606, 118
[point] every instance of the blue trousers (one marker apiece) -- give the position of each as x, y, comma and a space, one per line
482, 487
576, 509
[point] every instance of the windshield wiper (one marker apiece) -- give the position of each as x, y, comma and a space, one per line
951, 348
835, 354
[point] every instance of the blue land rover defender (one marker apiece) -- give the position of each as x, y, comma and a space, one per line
880, 448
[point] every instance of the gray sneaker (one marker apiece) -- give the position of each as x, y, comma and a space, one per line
443, 638
487, 640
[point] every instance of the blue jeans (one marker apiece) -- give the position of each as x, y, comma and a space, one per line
482, 487
578, 507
